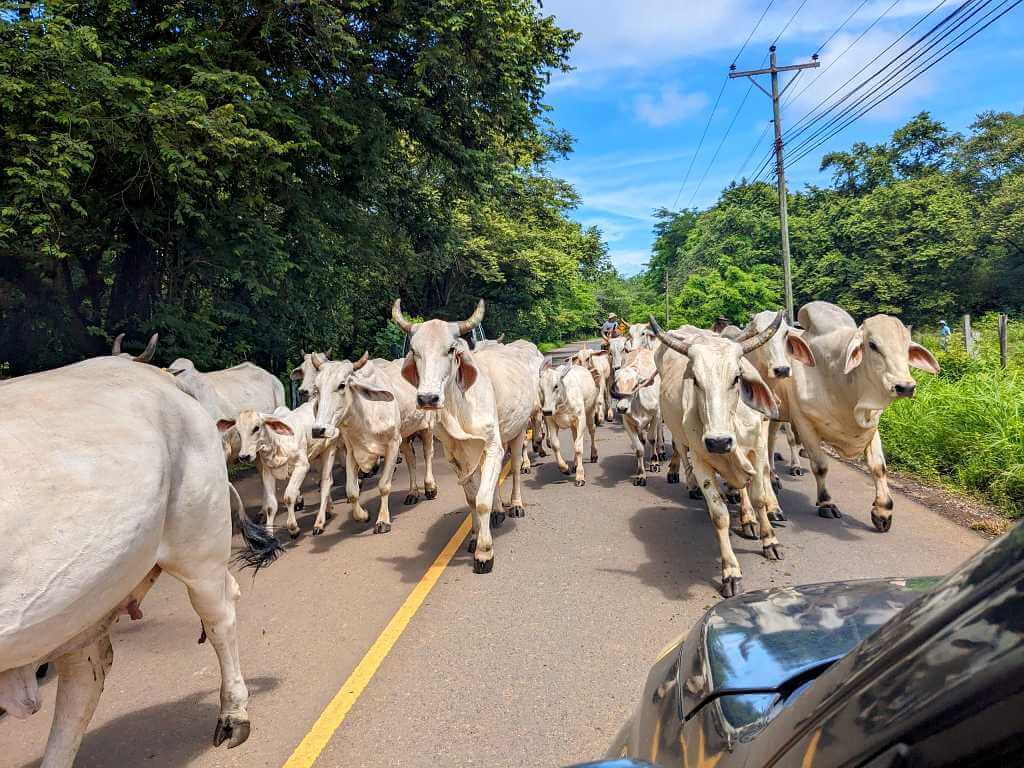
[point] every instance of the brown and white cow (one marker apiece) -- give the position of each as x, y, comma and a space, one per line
483, 401
717, 407
859, 370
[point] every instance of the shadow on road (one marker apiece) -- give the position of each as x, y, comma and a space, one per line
172, 734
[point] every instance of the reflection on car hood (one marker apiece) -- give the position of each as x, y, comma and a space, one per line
763, 641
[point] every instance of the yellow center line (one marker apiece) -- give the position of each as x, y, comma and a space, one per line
334, 714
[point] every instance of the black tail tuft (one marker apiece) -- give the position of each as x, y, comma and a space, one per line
261, 548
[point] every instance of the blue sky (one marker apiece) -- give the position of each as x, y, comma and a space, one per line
648, 72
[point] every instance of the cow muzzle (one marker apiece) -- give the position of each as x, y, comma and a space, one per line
718, 443
249, 457
547, 411
781, 371
428, 401
905, 389
622, 405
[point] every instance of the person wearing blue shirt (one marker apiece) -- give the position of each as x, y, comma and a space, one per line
944, 333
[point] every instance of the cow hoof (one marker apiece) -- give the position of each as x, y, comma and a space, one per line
773, 552
483, 566
430, 493
580, 483
797, 471
300, 504
829, 510
471, 546
593, 458
732, 497
412, 498
317, 530
639, 481
497, 519
778, 456
776, 483
382, 528
230, 730
748, 531
294, 534
398, 460
731, 586
883, 524
516, 511
694, 493
524, 470
672, 478
654, 467
777, 516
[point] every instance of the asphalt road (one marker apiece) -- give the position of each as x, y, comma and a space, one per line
536, 664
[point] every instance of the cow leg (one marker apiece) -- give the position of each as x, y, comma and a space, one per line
293, 492
609, 407
555, 445
352, 487
819, 466
732, 577
773, 433
794, 450
662, 453
673, 466
326, 483
577, 448
652, 440
81, 673
214, 598
429, 486
592, 431
640, 478
881, 509
480, 490
692, 488
761, 495
538, 435
748, 525
518, 448
772, 508
597, 418
409, 455
269, 498
387, 473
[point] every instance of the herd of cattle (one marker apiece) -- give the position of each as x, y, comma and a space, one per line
113, 475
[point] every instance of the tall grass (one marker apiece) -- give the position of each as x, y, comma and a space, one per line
965, 427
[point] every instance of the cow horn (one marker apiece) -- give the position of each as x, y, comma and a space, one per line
116, 349
361, 361
473, 320
399, 318
147, 353
679, 345
753, 342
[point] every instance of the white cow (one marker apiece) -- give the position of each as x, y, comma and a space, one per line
600, 363
531, 355
226, 393
717, 406
568, 397
774, 362
282, 446
637, 387
305, 372
356, 400
859, 370
142, 488
415, 423
616, 347
639, 336
483, 401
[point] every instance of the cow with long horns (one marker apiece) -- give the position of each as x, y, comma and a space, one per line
145, 356
717, 407
484, 401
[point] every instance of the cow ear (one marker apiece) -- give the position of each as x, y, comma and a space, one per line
409, 372
278, 426
225, 424
373, 393
920, 357
757, 395
467, 372
799, 350
854, 352
296, 375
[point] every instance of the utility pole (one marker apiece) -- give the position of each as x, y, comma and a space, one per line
780, 170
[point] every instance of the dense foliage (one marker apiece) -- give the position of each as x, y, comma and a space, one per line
926, 225
252, 178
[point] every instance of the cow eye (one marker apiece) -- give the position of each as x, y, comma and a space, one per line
736, 381
341, 386
874, 347
255, 430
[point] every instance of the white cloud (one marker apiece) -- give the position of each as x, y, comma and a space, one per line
670, 106
629, 261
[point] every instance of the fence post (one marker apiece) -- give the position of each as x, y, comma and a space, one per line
968, 336
1003, 351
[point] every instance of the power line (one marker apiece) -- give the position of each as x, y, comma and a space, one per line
979, 27
714, 109
840, 27
917, 56
799, 8
720, 144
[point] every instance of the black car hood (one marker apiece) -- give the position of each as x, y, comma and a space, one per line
750, 653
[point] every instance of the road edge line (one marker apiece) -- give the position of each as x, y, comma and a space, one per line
323, 730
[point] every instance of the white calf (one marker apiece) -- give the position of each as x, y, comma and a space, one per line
568, 400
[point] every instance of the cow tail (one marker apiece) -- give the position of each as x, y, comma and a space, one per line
261, 549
